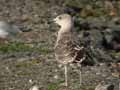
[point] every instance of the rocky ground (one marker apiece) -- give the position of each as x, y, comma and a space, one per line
28, 59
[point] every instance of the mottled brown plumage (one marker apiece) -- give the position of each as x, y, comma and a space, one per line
67, 47
68, 50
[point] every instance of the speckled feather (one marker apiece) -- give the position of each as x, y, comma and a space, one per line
68, 49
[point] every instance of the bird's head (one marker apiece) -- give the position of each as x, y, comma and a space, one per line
65, 21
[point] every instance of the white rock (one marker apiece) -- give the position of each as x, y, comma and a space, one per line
35, 87
56, 77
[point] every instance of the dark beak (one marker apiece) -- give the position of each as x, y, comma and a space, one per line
51, 21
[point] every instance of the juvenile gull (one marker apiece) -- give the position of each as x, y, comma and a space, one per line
67, 47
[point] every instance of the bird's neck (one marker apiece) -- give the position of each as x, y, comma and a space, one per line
66, 28
63, 30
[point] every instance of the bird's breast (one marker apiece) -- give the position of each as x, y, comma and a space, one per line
65, 50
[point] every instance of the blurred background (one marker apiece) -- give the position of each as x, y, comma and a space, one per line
28, 58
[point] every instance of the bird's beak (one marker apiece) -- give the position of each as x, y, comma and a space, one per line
51, 21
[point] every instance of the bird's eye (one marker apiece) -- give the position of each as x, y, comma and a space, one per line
60, 18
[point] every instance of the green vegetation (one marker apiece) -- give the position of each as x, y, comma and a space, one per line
87, 88
22, 47
14, 47
52, 87
27, 64
113, 53
75, 3
89, 8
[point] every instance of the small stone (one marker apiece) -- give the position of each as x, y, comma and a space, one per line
30, 81
98, 73
56, 70
56, 77
35, 87
25, 18
60, 65
116, 74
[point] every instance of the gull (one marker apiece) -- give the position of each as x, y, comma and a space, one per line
67, 47
8, 30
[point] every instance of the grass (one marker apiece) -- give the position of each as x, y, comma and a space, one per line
58, 86
14, 47
75, 3
55, 87
87, 88
52, 87
44, 50
113, 53
88, 8
24, 68
27, 64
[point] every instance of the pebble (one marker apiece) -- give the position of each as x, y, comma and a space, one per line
35, 87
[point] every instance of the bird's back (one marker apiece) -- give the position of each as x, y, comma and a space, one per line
67, 49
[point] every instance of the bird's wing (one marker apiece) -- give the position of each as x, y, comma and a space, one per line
68, 49
78, 49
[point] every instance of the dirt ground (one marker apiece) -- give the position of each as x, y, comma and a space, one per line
22, 68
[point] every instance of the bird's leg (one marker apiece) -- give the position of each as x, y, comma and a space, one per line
66, 77
80, 76
80, 73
